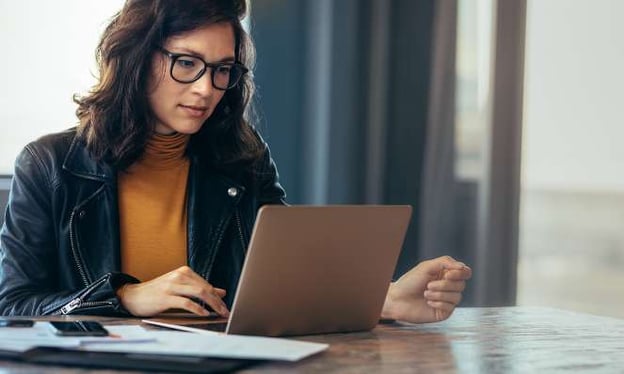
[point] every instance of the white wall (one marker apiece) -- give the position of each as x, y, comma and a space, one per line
574, 95
48, 54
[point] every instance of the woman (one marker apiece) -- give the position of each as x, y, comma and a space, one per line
149, 203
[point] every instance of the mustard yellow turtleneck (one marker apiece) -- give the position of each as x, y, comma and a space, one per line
152, 209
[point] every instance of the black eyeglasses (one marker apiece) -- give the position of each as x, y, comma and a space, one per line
188, 68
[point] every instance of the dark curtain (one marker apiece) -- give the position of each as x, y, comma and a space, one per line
356, 99
343, 95
4, 197
477, 219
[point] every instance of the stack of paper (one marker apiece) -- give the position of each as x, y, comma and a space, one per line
20, 339
135, 339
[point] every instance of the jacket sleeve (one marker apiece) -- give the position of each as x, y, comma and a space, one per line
28, 252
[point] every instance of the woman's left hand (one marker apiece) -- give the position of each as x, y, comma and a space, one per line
429, 292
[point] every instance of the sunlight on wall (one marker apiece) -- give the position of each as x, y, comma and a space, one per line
574, 123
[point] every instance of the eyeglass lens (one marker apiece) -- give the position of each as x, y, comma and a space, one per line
188, 69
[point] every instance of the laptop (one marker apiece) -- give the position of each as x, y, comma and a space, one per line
316, 269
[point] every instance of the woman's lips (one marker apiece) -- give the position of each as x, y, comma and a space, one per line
194, 111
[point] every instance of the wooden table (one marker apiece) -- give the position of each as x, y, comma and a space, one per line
474, 340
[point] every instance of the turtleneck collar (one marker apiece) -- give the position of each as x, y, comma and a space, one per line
165, 151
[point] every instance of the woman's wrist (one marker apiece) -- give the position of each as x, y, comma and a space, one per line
121, 290
387, 312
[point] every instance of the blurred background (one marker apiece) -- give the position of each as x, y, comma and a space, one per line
499, 121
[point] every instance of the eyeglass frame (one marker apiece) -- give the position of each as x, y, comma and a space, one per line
212, 65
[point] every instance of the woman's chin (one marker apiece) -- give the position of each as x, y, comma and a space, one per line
189, 128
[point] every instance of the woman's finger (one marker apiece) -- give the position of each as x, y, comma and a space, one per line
185, 282
446, 285
180, 302
447, 297
446, 307
438, 265
206, 293
464, 273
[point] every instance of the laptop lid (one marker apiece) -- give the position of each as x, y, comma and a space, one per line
317, 269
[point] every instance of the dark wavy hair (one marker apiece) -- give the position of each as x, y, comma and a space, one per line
115, 117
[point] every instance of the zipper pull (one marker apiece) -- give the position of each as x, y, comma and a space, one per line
75, 303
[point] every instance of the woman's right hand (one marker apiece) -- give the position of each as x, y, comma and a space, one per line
172, 290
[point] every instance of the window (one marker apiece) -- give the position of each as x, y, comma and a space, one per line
473, 90
571, 251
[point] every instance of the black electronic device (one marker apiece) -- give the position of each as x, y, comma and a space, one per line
15, 322
78, 328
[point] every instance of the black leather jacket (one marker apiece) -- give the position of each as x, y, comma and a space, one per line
59, 245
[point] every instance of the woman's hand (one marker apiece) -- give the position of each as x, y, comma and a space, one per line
172, 290
429, 292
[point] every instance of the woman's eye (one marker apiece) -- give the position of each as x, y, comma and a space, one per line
185, 63
223, 69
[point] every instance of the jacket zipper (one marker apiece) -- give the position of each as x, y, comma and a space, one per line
72, 239
240, 231
77, 302
218, 244
214, 254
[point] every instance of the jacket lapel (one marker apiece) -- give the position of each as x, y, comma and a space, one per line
94, 221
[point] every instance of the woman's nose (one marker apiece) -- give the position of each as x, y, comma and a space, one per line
203, 85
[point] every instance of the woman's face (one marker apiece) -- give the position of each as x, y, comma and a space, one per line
183, 107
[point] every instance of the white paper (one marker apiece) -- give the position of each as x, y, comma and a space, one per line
20, 339
217, 345
40, 330
119, 334
135, 339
